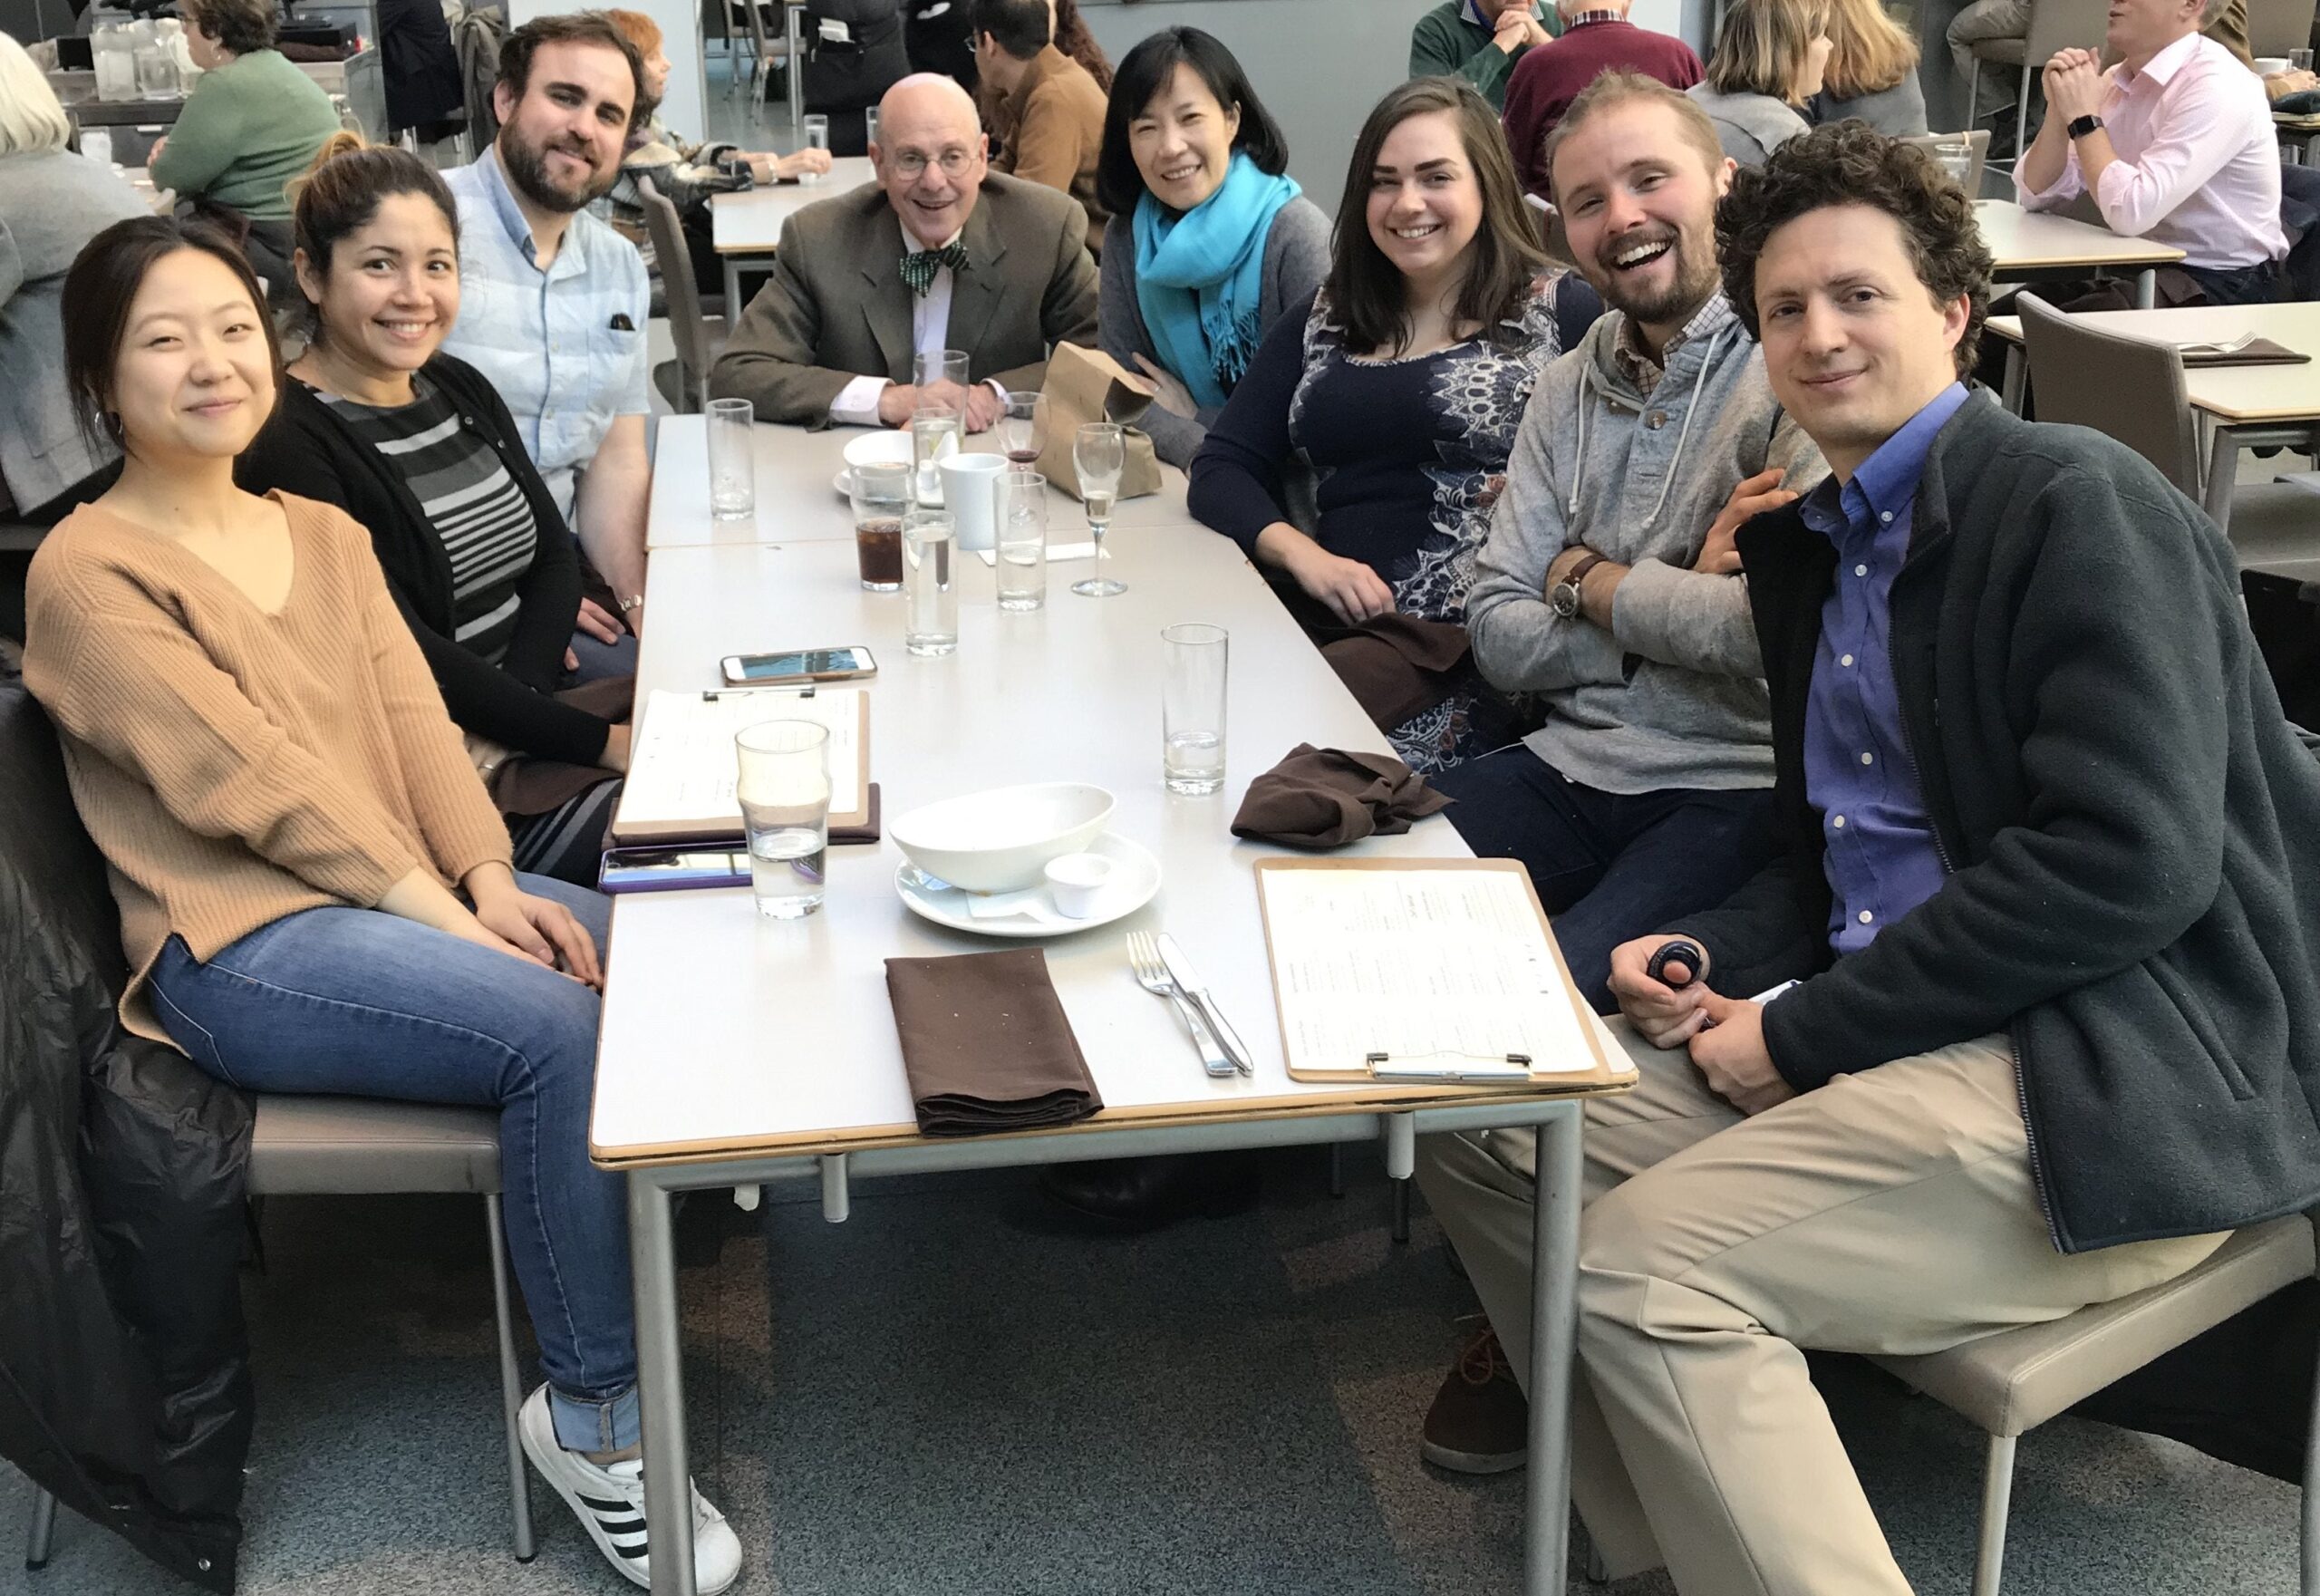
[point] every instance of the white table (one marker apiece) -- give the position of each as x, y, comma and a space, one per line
797, 502
745, 228
2030, 246
736, 1050
2248, 407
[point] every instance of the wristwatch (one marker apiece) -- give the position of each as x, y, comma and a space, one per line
1563, 596
2082, 126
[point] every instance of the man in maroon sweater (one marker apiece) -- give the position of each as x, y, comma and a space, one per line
1596, 37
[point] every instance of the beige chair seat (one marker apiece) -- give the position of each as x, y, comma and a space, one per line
2016, 1380
2001, 52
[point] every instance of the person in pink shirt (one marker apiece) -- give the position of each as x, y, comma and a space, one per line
2174, 145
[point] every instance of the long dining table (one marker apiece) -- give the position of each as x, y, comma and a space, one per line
738, 1049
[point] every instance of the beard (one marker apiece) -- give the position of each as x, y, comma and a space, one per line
526, 167
1696, 277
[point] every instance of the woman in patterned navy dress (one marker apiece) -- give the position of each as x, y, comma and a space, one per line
1397, 392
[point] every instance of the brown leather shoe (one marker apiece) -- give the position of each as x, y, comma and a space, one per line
1480, 1420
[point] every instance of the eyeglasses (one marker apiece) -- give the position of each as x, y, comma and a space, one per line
912, 163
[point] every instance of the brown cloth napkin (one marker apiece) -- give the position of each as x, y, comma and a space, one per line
1324, 797
1395, 665
986, 1045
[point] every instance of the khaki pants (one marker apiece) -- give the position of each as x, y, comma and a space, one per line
1890, 1211
1978, 24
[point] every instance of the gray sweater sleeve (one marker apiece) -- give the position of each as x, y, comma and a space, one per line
1297, 257
1699, 622
1520, 643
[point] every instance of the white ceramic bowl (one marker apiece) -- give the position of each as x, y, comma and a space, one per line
1002, 841
883, 444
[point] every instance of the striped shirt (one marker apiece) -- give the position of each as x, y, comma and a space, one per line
469, 498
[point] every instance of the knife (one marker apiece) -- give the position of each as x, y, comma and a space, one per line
1180, 971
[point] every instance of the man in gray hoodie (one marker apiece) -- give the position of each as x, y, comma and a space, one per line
1610, 587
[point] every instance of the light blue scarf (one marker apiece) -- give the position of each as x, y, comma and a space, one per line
1199, 277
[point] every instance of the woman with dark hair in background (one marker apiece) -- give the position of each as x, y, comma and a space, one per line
314, 892
1400, 384
419, 451
1072, 36
1210, 240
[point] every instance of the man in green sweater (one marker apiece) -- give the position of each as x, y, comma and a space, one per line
1479, 41
252, 123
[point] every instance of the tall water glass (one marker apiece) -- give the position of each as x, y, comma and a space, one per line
929, 602
1099, 454
934, 435
1194, 656
2299, 61
785, 793
882, 494
869, 126
732, 459
1956, 156
1020, 545
817, 137
941, 375
1022, 428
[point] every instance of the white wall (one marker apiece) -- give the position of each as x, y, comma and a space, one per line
679, 23
1320, 64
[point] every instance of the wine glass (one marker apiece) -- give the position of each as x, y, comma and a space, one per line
1022, 428
1100, 454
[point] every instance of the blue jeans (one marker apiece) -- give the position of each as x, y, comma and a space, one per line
1610, 867
360, 1003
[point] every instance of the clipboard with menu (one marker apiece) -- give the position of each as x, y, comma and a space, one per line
1423, 970
682, 772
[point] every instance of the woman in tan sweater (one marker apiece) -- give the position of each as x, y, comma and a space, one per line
314, 890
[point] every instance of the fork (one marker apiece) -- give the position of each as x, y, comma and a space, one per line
1152, 976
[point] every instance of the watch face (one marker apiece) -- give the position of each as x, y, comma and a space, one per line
1564, 599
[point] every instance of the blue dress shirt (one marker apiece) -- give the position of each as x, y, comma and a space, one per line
1880, 856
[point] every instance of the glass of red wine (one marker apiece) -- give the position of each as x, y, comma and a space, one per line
1022, 428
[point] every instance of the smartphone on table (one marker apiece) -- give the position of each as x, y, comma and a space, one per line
671, 869
799, 667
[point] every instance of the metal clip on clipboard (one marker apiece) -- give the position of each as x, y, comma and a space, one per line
1453, 1067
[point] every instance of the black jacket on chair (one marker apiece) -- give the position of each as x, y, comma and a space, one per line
124, 1369
2130, 828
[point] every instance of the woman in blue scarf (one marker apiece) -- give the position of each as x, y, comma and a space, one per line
1209, 240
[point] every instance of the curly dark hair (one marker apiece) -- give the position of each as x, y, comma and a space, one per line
1850, 163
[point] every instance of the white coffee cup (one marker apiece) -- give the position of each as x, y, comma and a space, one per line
970, 484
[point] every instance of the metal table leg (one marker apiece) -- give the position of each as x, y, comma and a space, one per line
2223, 475
2016, 370
661, 1385
794, 69
1555, 1335
733, 306
2146, 288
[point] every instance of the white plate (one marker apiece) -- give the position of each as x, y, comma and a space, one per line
1131, 885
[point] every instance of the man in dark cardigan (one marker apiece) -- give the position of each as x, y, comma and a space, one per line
2048, 915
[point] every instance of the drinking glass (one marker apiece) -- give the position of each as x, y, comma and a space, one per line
2299, 61
934, 434
1022, 428
1191, 706
817, 137
882, 495
1956, 156
869, 125
1099, 454
930, 603
732, 459
1020, 545
941, 375
785, 793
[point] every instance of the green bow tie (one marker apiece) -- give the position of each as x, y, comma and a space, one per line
919, 266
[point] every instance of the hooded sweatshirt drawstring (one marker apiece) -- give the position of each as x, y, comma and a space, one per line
1674, 466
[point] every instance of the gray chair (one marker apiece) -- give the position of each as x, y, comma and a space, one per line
350, 1146
2010, 1383
2274, 27
2133, 389
2055, 25
684, 381
1977, 148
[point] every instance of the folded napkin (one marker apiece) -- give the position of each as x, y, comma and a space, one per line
1395, 665
986, 1045
1324, 797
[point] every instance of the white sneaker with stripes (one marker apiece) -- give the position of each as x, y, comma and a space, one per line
608, 1499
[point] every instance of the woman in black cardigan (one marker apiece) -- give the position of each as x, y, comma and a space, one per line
417, 447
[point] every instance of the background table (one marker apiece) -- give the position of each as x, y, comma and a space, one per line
736, 1050
2299, 136
2030, 246
745, 228
798, 504
2250, 407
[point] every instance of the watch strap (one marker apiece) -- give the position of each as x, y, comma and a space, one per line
2082, 126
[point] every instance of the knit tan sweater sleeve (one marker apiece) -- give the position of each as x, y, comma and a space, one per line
455, 814
120, 673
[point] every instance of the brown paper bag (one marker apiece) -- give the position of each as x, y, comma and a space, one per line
1088, 385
